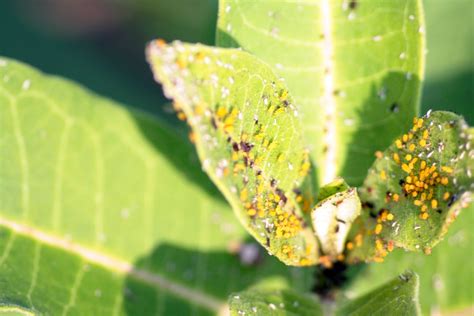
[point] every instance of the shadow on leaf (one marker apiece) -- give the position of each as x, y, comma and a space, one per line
213, 274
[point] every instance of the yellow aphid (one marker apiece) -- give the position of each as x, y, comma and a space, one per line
405, 138
200, 56
251, 212
422, 142
280, 110
408, 157
358, 240
181, 62
383, 175
446, 196
192, 137
398, 143
423, 164
221, 112
304, 262
160, 42
378, 229
378, 154
199, 109
417, 202
281, 158
228, 128
411, 147
350, 245
181, 116
419, 124
396, 197
243, 194
424, 208
424, 216
408, 179
390, 217
284, 95
425, 134
396, 158
447, 169
390, 246
444, 181
406, 168
434, 203
378, 244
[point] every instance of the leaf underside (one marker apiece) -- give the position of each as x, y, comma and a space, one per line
416, 188
247, 134
353, 67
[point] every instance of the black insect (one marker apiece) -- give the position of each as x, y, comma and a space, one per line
353, 4
282, 195
452, 199
394, 108
273, 183
213, 122
246, 147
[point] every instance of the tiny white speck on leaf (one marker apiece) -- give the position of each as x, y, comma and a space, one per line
26, 84
377, 38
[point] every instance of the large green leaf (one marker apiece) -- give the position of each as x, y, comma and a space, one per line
397, 297
248, 137
444, 287
353, 67
416, 188
103, 210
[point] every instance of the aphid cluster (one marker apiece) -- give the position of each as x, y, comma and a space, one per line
256, 167
422, 177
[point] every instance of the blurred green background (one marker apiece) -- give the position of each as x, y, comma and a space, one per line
100, 43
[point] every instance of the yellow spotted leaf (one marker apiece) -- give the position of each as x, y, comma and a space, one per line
248, 136
415, 189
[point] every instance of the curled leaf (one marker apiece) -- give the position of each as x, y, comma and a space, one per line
248, 137
333, 216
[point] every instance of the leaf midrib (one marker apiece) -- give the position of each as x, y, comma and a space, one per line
114, 264
327, 99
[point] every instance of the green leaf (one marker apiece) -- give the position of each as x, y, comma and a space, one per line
353, 67
247, 134
416, 188
103, 210
397, 297
283, 302
442, 288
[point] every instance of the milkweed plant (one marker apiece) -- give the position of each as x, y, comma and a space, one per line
305, 116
